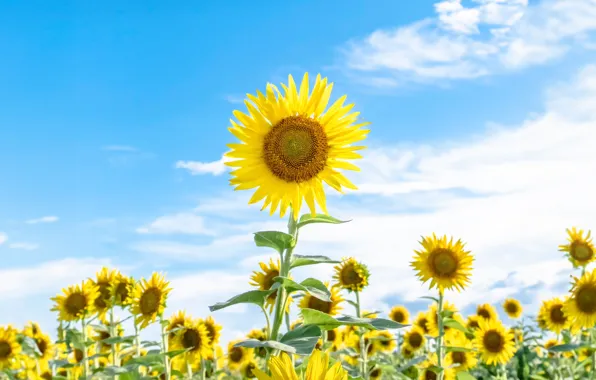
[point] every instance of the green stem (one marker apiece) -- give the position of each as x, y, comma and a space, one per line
164, 347
268, 331
188, 368
440, 337
363, 349
593, 373
214, 360
280, 300
137, 344
287, 320
113, 334
85, 361
203, 369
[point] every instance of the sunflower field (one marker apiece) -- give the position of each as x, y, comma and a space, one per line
291, 143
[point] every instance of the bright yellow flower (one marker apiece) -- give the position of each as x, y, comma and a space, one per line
213, 330
290, 146
422, 321
281, 368
194, 338
446, 264
238, 356
149, 299
351, 275
581, 249
512, 307
433, 318
121, 289
425, 369
176, 321
329, 307
261, 335
104, 281
399, 314
385, 341
414, 338
554, 316
581, 305
466, 359
264, 281
472, 322
9, 346
76, 302
487, 311
494, 342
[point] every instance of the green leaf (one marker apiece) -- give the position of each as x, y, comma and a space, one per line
149, 343
29, 346
327, 322
274, 239
302, 338
312, 286
417, 360
174, 353
386, 324
102, 328
256, 297
435, 369
119, 339
318, 218
253, 343
564, 348
447, 313
463, 375
75, 338
300, 260
129, 376
112, 371
456, 349
449, 322
146, 360
430, 298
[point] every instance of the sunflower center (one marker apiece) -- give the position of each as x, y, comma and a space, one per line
296, 149
581, 251
191, 339
423, 323
511, 308
75, 303
268, 279
458, 357
493, 341
122, 291
484, 313
320, 305
101, 302
42, 345
430, 375
78, 354
375, 373
5, 350
585, 299
331, 335
473, 324
443, 262
248, 370
415, 340
149, 302
556, 314
46, 375
398, 316
349, 276
210, 331
236, 354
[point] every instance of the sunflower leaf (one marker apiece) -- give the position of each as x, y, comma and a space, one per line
564, 347
449, 322
302, 338
119, 339
411, 363
174, 353
327, 322
311, 286
75, 339
253, 343
318, 218
300, 260
274, 239
386, 324
463, 375
256, 297
430, 298
29, 346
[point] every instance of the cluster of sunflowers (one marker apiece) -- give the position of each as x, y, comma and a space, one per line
291, 144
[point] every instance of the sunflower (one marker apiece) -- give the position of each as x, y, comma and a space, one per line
581, 305
446, 264
426, 370
376, 373
581, 249
518, 335
77, 301
45, 346
433, 318
176, 322
554, 316
465, 360
264, 281
406, 351
332, 307
351, 275
213, 330
282, 368
32, 329
487, 312
9, 346
149, 299
194, 338
472, 322
335, 338
247, 369
238, 356
399, 314
541, 321
121, 289
422, 322
102, 332
289, 146
494, 342
104, 280
414, 338
371, 342
385, 341
551, 343
260, 335
512, 307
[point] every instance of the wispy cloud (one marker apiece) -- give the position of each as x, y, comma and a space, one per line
120, 148
43, 219
197, 167
24, 246
182, 223
3, 238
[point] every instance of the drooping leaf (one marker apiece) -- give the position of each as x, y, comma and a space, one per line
119, 339
253, 343
318, 218
274, 239
386, 324
300, 260
564, 347
327, 322
430, 298
256, 297
302, 338
312, 286
449, 322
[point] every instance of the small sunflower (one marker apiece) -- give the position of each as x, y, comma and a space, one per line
581, 249
422, 322
76, 302
399, 314
32, 329
426, 369
104, 281
518, 334
331, 308
554, 316
149, 299
45, 346
335, 338
264, 281
121, 289
541, 321
102, 332
465, 360
9, 346
247, 370
238, 356
446, 264
376, 373
213, 330
194, 338
260, 335
282, 368
512, 307
176, 322
414, 338
487, 312
494, 342
581, 305
472, 322
406, 351
351, 275
433, 318
551, 343
290, 146
385, 341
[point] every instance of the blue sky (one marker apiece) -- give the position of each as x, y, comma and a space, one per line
471, 104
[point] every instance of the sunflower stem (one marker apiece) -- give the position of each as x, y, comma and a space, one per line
85, 361
164, 346
188, 369
280, 300
440, 337
203, 369
113, 334
268, 322
137, 343
591, 337
363, 349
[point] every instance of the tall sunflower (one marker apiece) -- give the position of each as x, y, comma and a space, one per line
282, 368
414, 338
581, 305
76, 302
512, 307
9, 346
121, 289
175, 323
351, 275
446, 264
44, 345
149, 299
213, 330
264, 281
487, 311
104, 280
238, 356
494, 342
399, 314
102, 332
580, 248
555, 318
329, 307
289, 145
194, 338
427, 368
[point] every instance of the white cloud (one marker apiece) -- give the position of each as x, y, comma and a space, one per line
44, 219
196, 167
488, 37
120, 148
3, 238
182, 223
24, 246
